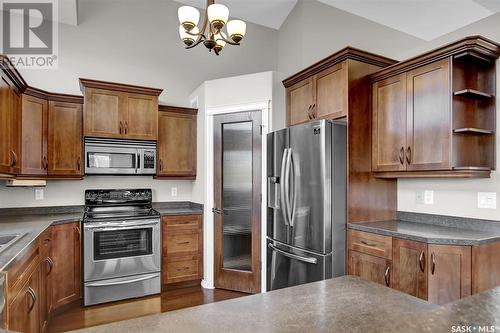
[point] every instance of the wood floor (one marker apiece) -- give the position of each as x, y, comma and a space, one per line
76, 316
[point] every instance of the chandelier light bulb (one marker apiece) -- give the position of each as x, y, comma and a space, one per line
187, 38
188, 17
219, 41
236, 30
217, 15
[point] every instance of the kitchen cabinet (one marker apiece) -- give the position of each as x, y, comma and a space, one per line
370, 267
300, 100
182, 248
409, 267
113, 110
10, 109
34, 127
441, 121
449, 273
177, 151
331, 92
24, 310
65, 139
66, 253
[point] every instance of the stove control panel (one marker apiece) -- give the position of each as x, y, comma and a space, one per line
96, 197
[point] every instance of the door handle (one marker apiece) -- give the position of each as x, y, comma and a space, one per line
314, 111
121, 126
309, 260
287, 187
368, 244
105, 284
387, 276
45, 163
78, 164
51, 264
14, 158
309, 115
408, 155
77, 231
402, 155
284, 211
433, 263
126, 127
421, 261
32, 294
218, 211
161, 164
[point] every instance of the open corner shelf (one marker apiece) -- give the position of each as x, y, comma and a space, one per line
473, 94
471, 56
472, 130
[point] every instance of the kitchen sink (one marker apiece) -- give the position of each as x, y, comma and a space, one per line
8, 239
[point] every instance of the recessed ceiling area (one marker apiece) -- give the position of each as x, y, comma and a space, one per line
269, 13
425, 19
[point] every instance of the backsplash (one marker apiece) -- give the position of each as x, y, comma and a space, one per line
66, 192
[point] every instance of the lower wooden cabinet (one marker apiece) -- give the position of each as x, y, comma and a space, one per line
438, 273
66, 254
409, 267
182, 248
449, 272
370, 268
47, 276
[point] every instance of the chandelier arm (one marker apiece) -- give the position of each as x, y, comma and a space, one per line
228, 41
200, 39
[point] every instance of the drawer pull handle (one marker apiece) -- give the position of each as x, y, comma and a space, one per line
421, 261
32, 294
387, 276
433, 260
184, 222
182, 269
51, 264
368, 244
182, 243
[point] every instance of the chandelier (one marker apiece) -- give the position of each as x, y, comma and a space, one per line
210, 31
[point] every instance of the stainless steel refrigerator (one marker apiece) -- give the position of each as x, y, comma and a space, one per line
306, 209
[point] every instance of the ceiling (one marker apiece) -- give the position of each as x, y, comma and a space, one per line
425, 19
269, 13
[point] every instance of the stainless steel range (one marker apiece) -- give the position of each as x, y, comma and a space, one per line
121, 245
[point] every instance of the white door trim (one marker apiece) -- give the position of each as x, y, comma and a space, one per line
208, 230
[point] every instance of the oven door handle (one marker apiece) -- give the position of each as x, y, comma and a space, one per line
120, 226
106, 284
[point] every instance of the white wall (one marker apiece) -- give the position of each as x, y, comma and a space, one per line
137, 42
314, 30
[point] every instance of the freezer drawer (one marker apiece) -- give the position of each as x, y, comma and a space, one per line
288, 266
109, 290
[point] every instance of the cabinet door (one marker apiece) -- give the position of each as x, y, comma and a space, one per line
141, 119
24, 310
34, 136
409, 267
46, 269
299, 102
449, 274
103, 112
15, 135
66, 257
331, 92
176, 145
429, 117
6, 158
370, 268
389, 124
65, 145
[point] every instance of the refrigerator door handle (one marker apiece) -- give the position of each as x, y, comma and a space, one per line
287, 186
282, 186
294, 191
309, 260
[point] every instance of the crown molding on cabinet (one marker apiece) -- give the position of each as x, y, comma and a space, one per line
177, 109
128, 88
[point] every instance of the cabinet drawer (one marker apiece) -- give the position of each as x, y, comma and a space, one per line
372, 244
182, 243
182, 222
182, 269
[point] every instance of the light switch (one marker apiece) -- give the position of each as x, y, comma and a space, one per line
174, 191
419, 197
39, 194
425, 197
487, 200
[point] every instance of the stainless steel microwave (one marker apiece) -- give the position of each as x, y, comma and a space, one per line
119, 157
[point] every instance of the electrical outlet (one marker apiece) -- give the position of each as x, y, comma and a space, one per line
487, 200
39, 194
174, 191
424, 197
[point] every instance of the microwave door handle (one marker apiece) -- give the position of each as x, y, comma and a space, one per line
137, 161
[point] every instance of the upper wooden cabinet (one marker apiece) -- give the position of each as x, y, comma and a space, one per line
321, 91
65, 138
34, 127
434, 115
113, 110
176, 142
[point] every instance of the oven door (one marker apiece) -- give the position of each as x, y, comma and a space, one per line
111, 160
121, 248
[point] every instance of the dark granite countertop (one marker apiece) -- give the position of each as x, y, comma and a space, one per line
178, 208
345, 304
427, 233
